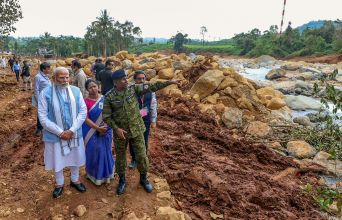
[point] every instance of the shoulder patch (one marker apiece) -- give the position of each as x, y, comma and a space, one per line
109, 92
146, 86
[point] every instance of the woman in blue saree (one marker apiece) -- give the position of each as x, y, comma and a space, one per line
97, 138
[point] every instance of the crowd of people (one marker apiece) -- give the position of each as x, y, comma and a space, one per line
21, 71
81, 118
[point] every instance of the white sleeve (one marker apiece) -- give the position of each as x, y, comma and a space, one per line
81, 117
43, 116
154, 106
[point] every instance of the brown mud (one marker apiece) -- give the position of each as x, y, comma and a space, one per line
210, 171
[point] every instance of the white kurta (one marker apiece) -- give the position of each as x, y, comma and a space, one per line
53, 158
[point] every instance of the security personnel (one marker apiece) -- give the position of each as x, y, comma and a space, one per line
121, 112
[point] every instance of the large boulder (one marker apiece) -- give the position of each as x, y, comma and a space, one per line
126, 64
271, 98
52, 62
207, 83
291, 66
281, 114
244, 103
150, 73
60, 63
84, 62
182, 65
227, 82
302, 102
300, 149
303, 120
92, 59
325, 159
258, 129
266, 59
275, 103
212, 99
172, 90
232, 118
309, 69
166, 73
275, 74
121, 54
162, 65
265, 92
68, 61
206, 108
168, 213
305, 76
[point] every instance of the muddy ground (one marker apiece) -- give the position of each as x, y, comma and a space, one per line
208, 170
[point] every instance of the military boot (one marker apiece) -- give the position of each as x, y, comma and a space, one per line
122, 185
145, 183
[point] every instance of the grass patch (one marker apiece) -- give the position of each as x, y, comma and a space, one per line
190, 48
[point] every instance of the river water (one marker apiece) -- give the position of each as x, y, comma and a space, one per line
259, 75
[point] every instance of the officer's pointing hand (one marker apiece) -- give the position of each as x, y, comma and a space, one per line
176, 82
121, 133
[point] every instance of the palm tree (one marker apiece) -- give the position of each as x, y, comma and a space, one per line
103, 27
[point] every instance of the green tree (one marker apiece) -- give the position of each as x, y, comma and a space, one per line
179, 40
314, 44
106, 36
103, 26
337, 41
291, 40
10, 13
247, 41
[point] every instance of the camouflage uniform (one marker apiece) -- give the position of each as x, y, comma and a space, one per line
121, 110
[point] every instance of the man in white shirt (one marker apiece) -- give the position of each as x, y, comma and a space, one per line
62, 111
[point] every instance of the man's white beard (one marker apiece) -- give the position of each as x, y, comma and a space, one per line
63, 85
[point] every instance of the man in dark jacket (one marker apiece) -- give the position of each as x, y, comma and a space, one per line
98, 67
105, 77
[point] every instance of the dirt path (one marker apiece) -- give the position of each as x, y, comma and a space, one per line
25, 185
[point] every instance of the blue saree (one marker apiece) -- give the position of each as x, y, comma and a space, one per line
99, 157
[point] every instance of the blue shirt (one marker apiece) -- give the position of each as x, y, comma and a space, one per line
41, 81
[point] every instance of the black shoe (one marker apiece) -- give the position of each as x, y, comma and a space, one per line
57, 192
78, 186
38, 133
122, 185
133, 165
145, 183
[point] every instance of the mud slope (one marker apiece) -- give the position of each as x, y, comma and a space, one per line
209, 171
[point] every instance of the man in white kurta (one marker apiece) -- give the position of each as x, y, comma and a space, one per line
62, 111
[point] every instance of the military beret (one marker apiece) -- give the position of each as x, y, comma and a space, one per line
118, 74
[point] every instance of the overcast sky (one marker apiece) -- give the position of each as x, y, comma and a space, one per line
160, 18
